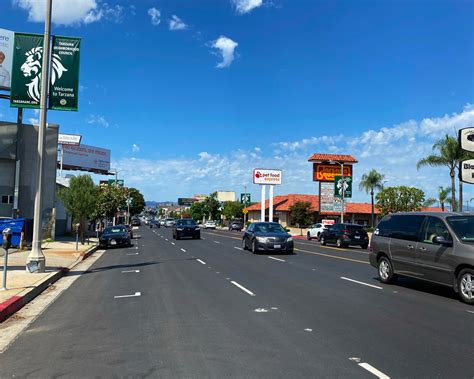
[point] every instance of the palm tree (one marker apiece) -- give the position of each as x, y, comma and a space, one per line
369, 183
449, 154
443, 194
429, 202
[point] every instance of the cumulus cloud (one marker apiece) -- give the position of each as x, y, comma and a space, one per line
245, 6
176, 23
135, 148
72, 12
155, 15
226, 47
97, 119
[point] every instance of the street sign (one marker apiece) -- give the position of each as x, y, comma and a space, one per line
245, 211
245, 198
69, 139
466, 139
120, 182
345, 181
466, 171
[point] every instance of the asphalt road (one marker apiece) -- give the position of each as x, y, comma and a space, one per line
206, 308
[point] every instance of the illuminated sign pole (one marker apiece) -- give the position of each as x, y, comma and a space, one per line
266, 177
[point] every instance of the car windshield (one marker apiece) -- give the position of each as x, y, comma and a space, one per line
463, 226
269, 228
114, 230
186, 223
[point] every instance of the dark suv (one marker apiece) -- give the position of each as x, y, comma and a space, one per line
344, 235
434, 246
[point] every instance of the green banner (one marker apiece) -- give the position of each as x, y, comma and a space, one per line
64, 84
245, 198
120, 182
26, 71
339, 182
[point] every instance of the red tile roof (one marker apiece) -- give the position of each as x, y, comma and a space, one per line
343, 158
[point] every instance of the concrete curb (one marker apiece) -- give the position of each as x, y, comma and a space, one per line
15, 303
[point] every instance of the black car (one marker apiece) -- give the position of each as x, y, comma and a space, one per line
236, 225
154, 224
344, 235
267, 236
186, 227
136, 222
115, 236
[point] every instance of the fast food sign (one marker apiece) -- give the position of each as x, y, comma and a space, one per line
327, 172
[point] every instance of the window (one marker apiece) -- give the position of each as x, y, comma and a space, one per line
463, 226
7, 199
404, 227
435, 227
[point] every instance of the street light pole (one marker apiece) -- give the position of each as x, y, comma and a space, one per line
343, 192
36, 254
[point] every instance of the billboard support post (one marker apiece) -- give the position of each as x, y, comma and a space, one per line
36, 254
270, 205
262, 210
16, 193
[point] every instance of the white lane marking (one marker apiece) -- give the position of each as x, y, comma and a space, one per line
127, 271
274, 308
313, 269
261, 310
202, 262
373, 370
228, 278
134, 295
243, 288
133, 254
166, 239
238, 248
183, 250
173, 243
277, 259
470, 311
308, 330
216, 242
364, 284
162, 237
135, 228
202, 238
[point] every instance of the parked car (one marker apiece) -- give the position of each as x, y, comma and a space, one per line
136, 222
209, 225
154, 224
237, 224
169, 222
345, 235
115, 236
162, 222
436, 247
186, 227
267, 236
315, 231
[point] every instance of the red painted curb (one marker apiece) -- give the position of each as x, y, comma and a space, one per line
10, 306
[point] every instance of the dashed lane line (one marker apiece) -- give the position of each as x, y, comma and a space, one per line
136, 294
173, 243
216, 242
133, 254
379, 374
130, 271
243, 288
277, 259
202, 262
333, 256
238, 248
182, 250
364, 284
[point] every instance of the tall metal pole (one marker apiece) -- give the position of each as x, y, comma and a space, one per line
245, 202
342, 193
270, 205
16, 193
36, 254
262, 211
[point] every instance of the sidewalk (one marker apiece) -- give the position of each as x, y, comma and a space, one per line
23, 286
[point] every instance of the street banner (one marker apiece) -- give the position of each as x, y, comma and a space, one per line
339, 182
466, 171
26, 71
7, 38
64, 84
86, 158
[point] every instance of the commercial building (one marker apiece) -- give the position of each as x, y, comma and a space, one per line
18, 170
357, 213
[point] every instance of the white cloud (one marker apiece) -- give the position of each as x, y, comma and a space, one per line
155, 15
176, 23
71, 12
135, 148
245, 6
226, 47
97, 119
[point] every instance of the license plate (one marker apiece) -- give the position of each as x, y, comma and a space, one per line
277, 246
113, 242
357, 237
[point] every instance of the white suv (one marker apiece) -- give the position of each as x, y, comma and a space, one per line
315, 231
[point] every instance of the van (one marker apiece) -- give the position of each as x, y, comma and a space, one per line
437, 247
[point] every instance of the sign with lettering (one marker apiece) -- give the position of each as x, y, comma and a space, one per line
466, 171
327, 172
266, 176
466, 139
86, 158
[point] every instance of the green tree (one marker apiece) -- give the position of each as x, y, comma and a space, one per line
110, 200
80, 200
137, 201
443, 194
370, 183
232, 209
212, 206
301, 214
429, 202
197, 211
400, 199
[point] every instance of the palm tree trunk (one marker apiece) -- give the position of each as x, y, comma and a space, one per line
453, 191
372, 203
460, 197
442, 206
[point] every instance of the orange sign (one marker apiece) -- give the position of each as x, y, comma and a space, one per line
327, 172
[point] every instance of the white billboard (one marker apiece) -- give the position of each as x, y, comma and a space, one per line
69, 139
466, 171
7, 38
466, 139
266, 176
84, 157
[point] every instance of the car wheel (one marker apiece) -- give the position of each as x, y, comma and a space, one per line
385, 270
244, 245
318, 235
177, 237
308, 237
364, 246
466, 285
254, 247
322, 240
291, 251
339, 243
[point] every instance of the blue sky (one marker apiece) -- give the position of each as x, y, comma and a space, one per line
381, 80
